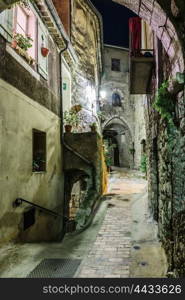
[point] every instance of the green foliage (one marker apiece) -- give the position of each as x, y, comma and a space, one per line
22, 41
72, 117
93, 125
132, 150
165, 105
143, 166
108, 153
101, 116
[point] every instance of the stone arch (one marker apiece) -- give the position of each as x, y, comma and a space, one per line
118, 120
117, 132
162, 19
118, 91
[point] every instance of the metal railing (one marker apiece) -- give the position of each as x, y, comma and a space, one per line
19, 201
139, 52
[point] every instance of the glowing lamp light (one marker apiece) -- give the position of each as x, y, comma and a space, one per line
90, 93
103, 94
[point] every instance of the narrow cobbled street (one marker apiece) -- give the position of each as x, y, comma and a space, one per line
113, 246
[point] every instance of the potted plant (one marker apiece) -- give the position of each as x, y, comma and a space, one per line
44, 51
14, 44
72, 118
93, 127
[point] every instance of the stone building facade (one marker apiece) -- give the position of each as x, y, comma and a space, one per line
86, 37
123, 113
34, 91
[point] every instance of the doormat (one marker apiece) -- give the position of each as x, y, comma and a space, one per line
55, 268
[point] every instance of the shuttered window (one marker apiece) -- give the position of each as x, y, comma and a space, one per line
42, 42
6, 24
25, 24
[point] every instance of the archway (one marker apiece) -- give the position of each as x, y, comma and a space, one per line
118, 135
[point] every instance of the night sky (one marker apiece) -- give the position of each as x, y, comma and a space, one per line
115, 20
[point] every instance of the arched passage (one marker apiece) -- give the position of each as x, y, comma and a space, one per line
118, 134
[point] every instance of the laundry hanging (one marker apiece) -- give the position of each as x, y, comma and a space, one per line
135, 35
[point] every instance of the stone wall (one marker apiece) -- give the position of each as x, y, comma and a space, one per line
86, 35
165, 173
166, 142
85, 174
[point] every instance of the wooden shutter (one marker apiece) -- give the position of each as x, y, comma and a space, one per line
6, 24
42, 61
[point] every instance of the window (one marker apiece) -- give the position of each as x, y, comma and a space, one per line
143, 145
6, 24
25, 21
39, 151
115, 64
116, 99
25, 24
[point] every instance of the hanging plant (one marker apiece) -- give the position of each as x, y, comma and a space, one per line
44, 51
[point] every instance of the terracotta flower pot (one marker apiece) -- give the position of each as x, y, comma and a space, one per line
44, 51
14, 44
68, 128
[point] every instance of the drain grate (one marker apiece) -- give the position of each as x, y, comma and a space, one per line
55, 268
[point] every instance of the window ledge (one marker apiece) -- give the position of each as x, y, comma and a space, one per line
23, 63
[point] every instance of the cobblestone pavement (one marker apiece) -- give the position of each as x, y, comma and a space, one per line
110, 255
107, 247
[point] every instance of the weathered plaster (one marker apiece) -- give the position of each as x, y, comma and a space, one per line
19, 114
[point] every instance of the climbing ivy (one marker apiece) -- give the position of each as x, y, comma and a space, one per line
165, 105
143, 166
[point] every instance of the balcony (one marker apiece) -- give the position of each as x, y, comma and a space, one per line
141, 68
141, 56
